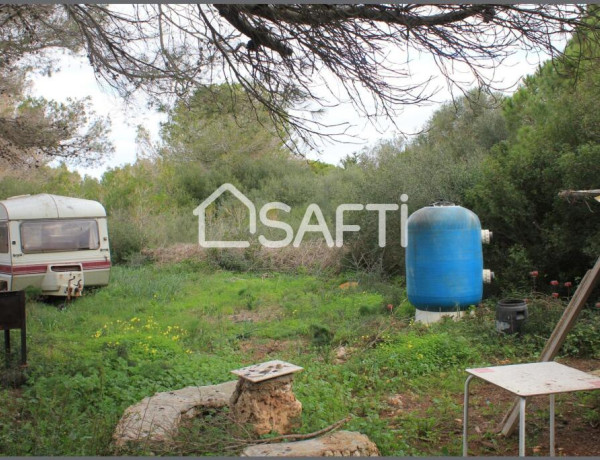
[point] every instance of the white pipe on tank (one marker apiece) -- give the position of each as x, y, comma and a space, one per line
488, 276
486, 236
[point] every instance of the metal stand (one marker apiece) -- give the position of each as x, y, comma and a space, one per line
552, 426
522, 404
534, 379
559, 335
12, 316
466, 417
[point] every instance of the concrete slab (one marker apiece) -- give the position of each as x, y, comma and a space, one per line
267, 370
337, 444
157, 418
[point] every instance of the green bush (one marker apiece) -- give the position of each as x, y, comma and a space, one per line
125, 237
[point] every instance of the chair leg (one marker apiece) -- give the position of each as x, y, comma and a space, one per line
466, 417
522, 404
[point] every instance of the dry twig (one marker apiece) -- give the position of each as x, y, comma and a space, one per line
301, 437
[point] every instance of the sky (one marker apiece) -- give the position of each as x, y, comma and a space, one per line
75, 79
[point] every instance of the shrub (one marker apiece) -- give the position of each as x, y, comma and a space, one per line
125, 237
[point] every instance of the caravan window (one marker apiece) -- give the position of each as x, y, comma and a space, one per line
59, 235
3, 237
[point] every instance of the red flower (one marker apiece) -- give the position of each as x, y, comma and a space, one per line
534, 274
555, 295
568, 284
554, 283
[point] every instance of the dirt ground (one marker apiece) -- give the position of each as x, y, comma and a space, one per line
577, 430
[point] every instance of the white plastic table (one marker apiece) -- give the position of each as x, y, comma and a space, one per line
533, 379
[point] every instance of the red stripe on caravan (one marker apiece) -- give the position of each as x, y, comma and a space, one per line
38, 269
96, 265
29, 269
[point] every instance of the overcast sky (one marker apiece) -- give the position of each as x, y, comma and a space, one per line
76, 79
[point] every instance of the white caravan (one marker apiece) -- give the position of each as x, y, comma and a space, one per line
52, 242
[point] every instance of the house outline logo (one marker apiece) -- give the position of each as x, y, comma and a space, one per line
312, 211
200, 211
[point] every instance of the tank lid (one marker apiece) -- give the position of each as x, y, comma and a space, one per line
443, 203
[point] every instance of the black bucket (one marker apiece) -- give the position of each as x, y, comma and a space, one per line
510, 315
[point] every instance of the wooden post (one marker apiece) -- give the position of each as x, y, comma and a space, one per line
559, 335
580, 194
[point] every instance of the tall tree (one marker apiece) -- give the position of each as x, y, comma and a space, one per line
34, 131
442, 163
280, 53
219, 134
217, 123
553, 145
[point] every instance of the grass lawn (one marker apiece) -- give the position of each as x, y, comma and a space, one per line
163, 328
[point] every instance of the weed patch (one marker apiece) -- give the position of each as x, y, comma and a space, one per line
158, 328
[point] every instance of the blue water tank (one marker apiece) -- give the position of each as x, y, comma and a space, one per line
444, 259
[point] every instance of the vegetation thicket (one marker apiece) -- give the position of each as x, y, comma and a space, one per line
161, 326
504, 157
